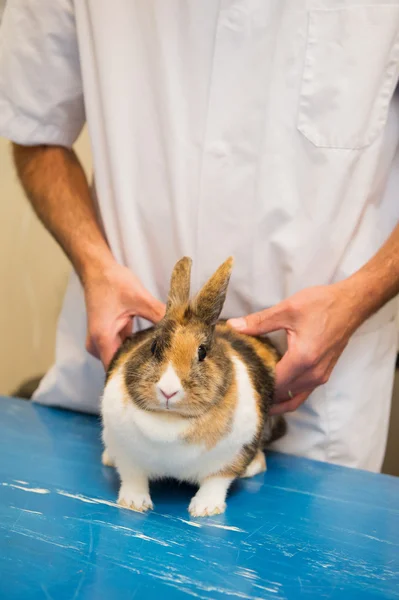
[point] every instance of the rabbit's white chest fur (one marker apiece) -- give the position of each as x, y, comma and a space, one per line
154, 444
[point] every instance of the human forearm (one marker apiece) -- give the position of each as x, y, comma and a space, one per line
58, 191
57, 188
377, 281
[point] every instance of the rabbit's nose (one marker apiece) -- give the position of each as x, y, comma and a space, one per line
169, 385
167, 396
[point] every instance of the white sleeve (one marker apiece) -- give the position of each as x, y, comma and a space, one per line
41, 97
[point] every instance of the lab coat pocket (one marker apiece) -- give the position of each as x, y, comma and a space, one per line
351, 68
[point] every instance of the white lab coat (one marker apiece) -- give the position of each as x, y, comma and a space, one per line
262, 129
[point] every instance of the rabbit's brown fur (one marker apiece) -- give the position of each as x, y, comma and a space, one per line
210, 365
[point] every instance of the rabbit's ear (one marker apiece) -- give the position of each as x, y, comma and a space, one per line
179, 292
208, 303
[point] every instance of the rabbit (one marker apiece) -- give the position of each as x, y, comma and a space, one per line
189, 399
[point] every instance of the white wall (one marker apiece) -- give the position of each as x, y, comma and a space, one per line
33, 275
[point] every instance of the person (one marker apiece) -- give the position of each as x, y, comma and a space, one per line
259, 129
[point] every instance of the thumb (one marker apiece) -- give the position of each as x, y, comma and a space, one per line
91, 347
126, 331
103, 347
108, 345
265, 321
107, 351
151, 309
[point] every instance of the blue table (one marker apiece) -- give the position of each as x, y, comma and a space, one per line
302, 530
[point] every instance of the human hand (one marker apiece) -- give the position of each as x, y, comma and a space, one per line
319, 322
113, 298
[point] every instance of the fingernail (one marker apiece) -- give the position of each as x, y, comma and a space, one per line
239, 324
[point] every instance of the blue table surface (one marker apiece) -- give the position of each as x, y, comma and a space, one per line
302, 530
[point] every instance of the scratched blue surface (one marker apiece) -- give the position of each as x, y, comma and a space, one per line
302, 530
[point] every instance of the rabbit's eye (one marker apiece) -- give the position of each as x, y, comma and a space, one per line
201, 353
154, 347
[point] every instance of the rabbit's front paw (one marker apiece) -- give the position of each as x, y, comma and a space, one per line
201, 506
138, 501
210, 498
106, 459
